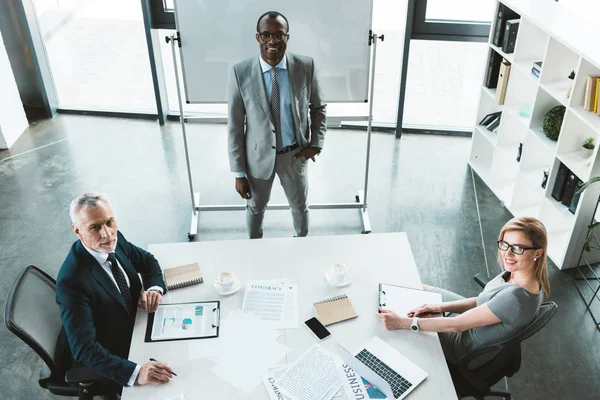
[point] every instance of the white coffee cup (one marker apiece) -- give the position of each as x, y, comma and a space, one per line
225, 280
337, 274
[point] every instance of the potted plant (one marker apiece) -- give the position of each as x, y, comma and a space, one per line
588, 144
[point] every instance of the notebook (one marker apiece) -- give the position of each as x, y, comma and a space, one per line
185, 275
334, 309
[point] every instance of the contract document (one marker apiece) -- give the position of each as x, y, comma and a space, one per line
273, 301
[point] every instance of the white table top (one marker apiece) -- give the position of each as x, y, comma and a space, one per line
371, 259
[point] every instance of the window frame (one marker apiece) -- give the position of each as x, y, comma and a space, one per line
161, 18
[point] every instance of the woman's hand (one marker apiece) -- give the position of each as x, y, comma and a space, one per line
426, 311
393, 321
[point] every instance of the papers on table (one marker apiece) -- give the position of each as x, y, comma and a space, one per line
246, 346
275, 301
313, 377
356, 387
183, 321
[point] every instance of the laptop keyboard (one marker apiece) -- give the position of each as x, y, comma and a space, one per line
398, 384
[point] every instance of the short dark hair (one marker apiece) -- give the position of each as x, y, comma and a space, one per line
274, 15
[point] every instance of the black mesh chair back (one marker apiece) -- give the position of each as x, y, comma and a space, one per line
32, 314
479, 370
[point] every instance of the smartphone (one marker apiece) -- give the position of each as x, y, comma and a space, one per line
317, 328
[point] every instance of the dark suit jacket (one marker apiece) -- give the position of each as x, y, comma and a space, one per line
95, 320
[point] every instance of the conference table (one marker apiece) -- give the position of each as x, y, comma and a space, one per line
371, 259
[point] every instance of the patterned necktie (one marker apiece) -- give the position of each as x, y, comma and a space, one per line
275, 108
121, 282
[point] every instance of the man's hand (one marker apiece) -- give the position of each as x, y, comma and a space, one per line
242, 186
154, 372
149, 301
309, 152
393, 321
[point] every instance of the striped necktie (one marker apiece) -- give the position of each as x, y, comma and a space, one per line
121, 282
275, 108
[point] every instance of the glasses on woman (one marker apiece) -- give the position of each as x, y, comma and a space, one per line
278, 36
515, 248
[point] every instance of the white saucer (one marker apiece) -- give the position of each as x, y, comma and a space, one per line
347, 278
234, 288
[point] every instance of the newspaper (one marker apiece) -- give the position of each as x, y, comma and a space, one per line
356, 387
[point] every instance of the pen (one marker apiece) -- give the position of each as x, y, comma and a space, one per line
152, 359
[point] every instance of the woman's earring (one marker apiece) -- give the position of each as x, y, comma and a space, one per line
535, 259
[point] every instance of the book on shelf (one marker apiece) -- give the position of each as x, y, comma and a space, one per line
538, 66
570, 187
502, 81
596, 106
560, 182
182, 276
589, 100
575, 201
334, 309
535, 72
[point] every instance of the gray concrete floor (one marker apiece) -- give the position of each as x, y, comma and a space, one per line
420, 184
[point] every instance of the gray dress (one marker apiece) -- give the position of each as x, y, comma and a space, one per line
514, 306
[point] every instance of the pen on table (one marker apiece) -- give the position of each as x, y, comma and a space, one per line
152, 359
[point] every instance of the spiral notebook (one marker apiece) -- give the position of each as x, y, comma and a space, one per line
334, 309
185, 275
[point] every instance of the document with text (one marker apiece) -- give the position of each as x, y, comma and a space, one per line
183, 321
273, 301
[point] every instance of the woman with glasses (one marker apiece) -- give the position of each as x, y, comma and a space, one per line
508, 303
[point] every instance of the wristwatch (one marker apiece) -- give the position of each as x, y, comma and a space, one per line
415, 325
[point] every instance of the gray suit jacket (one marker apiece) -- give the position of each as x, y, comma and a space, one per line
252, 146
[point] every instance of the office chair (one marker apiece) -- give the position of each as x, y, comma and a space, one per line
32, 314
478, 371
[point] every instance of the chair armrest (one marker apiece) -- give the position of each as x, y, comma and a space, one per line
481, 280
83, 375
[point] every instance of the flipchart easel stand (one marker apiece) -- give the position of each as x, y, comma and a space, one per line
361, 196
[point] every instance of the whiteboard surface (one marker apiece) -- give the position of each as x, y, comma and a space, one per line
217, 34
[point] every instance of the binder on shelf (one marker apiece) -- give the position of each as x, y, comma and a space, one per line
504, 14
185, 275
510, 35
570, 186
334, 309
596, 105
492, 126
502, 81
493, 69
575, 201
559, 183
489, 118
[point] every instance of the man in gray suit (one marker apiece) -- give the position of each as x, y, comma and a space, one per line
278, 97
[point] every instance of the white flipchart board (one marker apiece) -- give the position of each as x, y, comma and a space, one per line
216, 34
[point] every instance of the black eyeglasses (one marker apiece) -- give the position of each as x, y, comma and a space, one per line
515, 248
278, 37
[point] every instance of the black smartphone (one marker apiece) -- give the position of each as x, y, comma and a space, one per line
317, 328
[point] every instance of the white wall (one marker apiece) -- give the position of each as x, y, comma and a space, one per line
12, 116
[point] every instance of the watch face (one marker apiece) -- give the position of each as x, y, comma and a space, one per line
414, 328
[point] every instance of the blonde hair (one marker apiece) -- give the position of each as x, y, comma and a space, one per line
535, 231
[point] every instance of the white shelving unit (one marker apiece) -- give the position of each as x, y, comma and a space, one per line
564, 43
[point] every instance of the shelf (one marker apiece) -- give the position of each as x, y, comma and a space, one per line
589, 117
490, 136
483, 170
558, 90
534, 177
575, 161
532, 211
525, 68
509, 57
541, 136
504, 191
563, 211
557, 244
491, 92
514, 110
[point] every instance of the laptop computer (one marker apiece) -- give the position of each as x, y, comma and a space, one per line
382, 365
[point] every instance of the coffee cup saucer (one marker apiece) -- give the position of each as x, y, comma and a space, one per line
224, 292
342, 280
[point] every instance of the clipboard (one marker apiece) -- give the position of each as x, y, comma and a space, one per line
402, 299
184, 321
